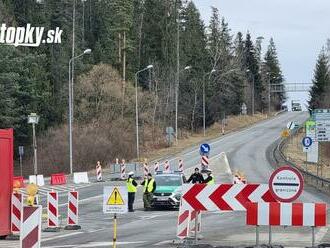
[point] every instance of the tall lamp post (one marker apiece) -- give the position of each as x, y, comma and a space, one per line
136, 109
177, 101
71, 78
204, 114
33, 119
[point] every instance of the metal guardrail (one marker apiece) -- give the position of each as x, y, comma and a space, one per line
320, 183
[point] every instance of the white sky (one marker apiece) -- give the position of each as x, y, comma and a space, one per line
299, 28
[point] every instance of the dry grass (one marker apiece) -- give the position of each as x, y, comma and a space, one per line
234, 123
293, 150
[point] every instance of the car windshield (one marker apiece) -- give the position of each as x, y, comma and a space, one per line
168, 181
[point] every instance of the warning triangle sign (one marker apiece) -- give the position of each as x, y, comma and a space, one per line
115, 198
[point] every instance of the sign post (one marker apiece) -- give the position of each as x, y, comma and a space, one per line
286, 184
21, 154
115, 199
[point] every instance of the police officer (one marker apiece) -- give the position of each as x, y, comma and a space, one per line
210, 178
131, 189
196, 177
149, 187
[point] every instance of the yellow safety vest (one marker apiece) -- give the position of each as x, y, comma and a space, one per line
149, 186
130, 187
212, 181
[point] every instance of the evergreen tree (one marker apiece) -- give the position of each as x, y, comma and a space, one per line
321, 82
274, 75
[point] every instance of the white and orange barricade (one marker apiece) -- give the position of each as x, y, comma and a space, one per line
16, 212
30, 235
145, 169
123, 170
167, 166
73, 211
98, 172
156, 167
180, 167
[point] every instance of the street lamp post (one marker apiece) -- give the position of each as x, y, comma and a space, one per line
204, 112
136, 109
177, 101
33, 119
71, 78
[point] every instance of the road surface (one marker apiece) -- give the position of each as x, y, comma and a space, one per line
246, 151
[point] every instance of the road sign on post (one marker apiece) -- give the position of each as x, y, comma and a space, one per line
307, 142
286, 184
115, 200
205, 149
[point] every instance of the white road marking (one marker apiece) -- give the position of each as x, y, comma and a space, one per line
61, 236
96, 244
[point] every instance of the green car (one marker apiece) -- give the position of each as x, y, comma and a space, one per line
168, 190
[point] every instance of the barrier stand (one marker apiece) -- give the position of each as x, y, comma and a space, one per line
73, 211
313, 236
52, 212
114, 230
99, 172
180, 165
123, 170
31, 227
270, 235
257, 235
16, 212
156, 167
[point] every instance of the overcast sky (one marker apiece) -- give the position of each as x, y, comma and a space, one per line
299, 28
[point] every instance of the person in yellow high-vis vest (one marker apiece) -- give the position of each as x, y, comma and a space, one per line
210, 178
149, 187
131, 189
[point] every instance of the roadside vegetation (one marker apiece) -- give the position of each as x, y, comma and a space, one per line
126, 36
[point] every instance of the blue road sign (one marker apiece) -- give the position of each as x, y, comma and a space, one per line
307, 141
205, 148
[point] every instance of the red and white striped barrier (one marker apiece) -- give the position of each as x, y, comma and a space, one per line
180, 168
145, 169
16, 212
123, 170
286, 214
98, 171
167, 166
225, 197
31, 227
156, 167
205, 162
73, 210
183, 223
52, 209
193, 215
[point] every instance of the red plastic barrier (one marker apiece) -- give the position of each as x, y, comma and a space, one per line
57, 179
20, 181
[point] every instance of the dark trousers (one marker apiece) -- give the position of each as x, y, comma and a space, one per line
131, 198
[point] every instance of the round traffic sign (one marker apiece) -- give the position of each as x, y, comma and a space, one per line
307, 141
205, 149
286, 184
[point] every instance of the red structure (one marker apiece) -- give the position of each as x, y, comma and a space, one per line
6, 182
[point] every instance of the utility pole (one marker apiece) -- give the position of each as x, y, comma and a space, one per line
177, 72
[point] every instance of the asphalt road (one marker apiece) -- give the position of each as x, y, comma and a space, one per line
246, 151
